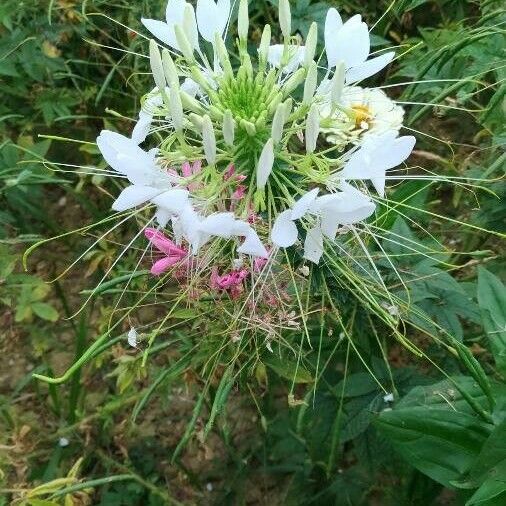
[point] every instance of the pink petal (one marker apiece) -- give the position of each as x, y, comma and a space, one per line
186, 169
163, 244
197, 167
239, 193
229, 172
164, 265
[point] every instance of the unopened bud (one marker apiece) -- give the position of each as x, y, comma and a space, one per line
176, 109
311, 42
249, 127
294, 81
197, 121
337, 83
312, 128
265, 43
243, 21
278, 123
155, 61
221, 50
183, 43
311, 83
209, 140
288, 104
191, 103
265, 164
228, 128
190, 26
170, 69
285, 18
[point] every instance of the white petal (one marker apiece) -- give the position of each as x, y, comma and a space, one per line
220, 225
174, 11
141, 129
162, 31
133, 196
212, 18
301, 207
284, 232
191, 87
296, 56
333, 24
396, 152
352, 44
351, 206
252, 245
265, 164
369, 68
313, 245
189, 222
126, 157
162, 216
174, 200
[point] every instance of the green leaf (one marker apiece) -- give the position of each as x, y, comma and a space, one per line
288, 370
441, 444
490, 490
45, 311
492, 302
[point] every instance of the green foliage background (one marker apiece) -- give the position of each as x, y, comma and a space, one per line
120, 434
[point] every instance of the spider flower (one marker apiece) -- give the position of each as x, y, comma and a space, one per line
252, 160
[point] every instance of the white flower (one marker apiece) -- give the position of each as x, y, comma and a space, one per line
149, 182
376, 156
294, 61
265, 164
349, 42
346, 207
175, 15
374, 113
212, 18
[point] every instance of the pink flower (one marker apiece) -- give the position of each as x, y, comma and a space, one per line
229, 172
189, 170
232, 282
239, 193
259, 263
173, 253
